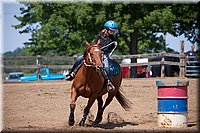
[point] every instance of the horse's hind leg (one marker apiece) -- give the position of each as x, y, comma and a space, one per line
100, 111
87, 109
108, 100
72, 106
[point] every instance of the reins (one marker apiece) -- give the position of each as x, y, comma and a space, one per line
88, 65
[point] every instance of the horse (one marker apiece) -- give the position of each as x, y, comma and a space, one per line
90, 83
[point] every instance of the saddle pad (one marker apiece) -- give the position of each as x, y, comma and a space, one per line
114, 68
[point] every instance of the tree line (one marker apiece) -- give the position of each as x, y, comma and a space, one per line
61, 28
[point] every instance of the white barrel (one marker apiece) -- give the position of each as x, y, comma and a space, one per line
172, 119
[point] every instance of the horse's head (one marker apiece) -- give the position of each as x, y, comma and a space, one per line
93, 56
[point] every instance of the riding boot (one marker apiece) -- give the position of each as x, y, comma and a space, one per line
110, 86
70, 76
77, 65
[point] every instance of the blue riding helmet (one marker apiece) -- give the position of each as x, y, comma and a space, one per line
111, 25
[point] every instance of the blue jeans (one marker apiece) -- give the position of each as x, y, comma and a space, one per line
106, 66
79, 62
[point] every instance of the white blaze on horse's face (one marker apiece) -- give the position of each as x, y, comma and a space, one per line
96, 49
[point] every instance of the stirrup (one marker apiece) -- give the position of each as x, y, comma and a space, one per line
110, 86
70, 76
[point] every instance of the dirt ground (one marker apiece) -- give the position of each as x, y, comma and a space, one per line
44, 106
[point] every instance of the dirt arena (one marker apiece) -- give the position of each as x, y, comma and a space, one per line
44, 106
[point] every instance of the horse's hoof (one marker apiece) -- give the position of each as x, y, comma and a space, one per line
96, 122
71, 123
81, 123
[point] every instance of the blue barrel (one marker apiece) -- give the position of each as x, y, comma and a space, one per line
172, 105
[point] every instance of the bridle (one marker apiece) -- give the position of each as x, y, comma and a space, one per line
91, 62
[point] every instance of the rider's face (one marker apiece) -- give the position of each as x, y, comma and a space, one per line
111, 32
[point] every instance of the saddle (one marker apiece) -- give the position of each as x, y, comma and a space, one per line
114, 67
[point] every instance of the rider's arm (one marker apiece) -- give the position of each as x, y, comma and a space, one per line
109, 48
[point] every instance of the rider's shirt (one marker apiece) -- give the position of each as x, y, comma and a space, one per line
106, 44
191, 53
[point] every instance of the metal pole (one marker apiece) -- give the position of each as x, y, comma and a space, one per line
38, 67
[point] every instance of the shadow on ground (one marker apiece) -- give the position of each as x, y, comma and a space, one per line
112, 125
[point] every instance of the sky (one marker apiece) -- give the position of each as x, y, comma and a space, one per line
12, 39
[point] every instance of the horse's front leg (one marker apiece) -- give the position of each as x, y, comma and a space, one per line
72, 106
71, 115
87, 109
100, 111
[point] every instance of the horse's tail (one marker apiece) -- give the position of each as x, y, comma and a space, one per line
124, 102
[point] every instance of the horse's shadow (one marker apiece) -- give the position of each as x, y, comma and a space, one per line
112, 125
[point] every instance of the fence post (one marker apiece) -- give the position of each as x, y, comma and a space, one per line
162, 66
133, 70
38, 63
182, 60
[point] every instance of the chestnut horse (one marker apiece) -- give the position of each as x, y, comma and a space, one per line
90, 83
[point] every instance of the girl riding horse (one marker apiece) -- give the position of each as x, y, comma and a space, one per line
89, 82
107, 46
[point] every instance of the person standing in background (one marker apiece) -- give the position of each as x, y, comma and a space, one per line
190, 53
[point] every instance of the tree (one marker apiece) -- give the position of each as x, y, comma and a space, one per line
63, 27
58, 28
198, 24
18, 52
186, 20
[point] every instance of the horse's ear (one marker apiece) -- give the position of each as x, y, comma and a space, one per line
87, 43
